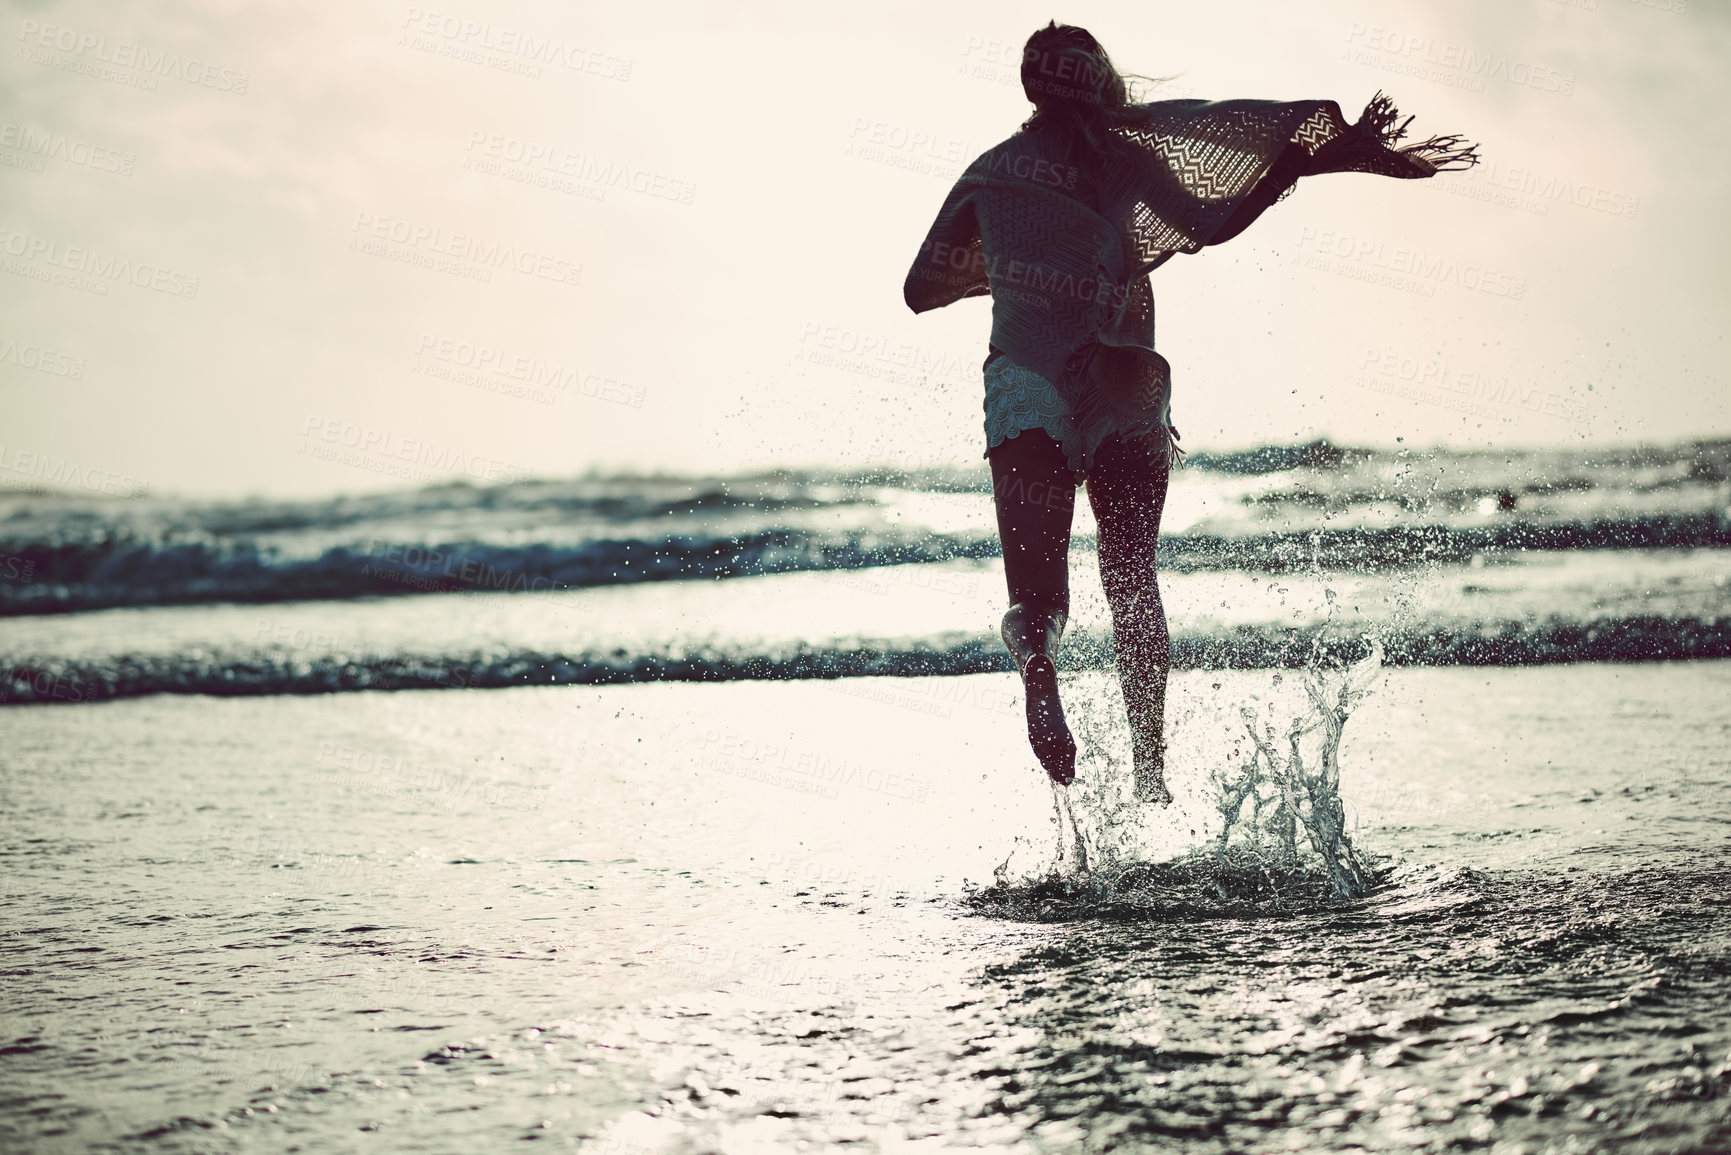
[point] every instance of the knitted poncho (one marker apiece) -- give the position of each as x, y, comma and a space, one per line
1070, 293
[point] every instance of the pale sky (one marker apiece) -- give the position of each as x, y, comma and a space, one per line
307, 248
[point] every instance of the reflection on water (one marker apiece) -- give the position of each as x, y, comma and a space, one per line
1454, 1010
215, 945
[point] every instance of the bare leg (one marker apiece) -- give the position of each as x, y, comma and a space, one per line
1127, 489
1035, 496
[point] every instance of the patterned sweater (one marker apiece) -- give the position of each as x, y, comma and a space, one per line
1067, 264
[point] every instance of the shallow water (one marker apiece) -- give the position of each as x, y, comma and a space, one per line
675, 917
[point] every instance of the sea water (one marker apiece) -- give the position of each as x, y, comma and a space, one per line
622, 918
682, 881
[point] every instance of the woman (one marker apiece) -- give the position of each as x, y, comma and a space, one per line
1062, 224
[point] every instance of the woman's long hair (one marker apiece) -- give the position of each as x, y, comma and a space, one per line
1077, 93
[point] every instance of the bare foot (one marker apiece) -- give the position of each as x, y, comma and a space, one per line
1048, 732
1031, 636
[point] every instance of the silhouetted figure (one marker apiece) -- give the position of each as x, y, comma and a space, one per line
1062, 224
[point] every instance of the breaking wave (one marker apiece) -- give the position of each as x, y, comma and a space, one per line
1271, 509
276, 671
69, 576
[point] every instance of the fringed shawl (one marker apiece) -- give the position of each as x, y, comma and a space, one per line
1070, 293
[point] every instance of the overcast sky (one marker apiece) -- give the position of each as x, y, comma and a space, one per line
303, 248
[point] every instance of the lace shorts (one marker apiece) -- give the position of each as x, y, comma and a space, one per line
1018, 399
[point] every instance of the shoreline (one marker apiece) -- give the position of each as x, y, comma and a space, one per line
1635, 641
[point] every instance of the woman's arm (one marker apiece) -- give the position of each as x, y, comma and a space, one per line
1291, 164
1371, 144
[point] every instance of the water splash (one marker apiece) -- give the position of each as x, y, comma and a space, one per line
1067, 868
1291, 779
1282, 843
1072, 846
1293, 770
